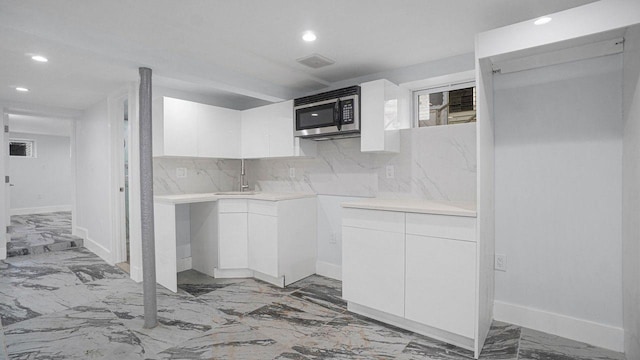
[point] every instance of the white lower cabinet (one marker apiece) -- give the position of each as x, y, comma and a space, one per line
416, 271
232, 241
263, 244
232, 234
373, 269
440, 283
274, 241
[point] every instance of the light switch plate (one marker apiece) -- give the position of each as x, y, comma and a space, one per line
292, 172
181, 172
334, 238
391, 172
501, 262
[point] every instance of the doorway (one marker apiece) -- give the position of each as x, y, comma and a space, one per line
39, 196
124, 198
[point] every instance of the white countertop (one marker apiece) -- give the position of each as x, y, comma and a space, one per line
415, 206
203, 197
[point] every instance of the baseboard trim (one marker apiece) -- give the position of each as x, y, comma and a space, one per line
184, 264
39, 210
329, 270
632, 346
93, 246
135, 273
601, 335
279, 282
232, 273
451, 338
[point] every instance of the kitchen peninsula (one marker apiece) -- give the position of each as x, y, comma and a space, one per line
269, 236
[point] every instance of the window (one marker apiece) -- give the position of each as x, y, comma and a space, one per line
23, 148
445, 105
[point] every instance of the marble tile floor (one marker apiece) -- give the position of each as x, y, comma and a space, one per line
39, 233
72, 305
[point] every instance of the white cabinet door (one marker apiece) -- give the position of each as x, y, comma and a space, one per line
440, 288
180, 128
232, 241
263, 244
280, 122
373, 269
255, 134
384, 109
218, 132
267, 131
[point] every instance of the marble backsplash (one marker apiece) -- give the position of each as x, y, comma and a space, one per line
437, 163
203, 175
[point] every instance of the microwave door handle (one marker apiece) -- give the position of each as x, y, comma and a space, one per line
337, 115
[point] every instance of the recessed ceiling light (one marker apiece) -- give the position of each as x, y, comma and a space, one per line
22, 89
543, 20
39, 58
309, 36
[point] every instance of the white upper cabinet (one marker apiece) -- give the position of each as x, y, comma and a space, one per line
219, 133
185, 128
189, 129
255, 131
174, 128
267, 131
384, 110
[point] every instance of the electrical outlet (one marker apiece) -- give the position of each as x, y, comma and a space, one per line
391, 172
334, 238
292, 172
501, 262
181, 172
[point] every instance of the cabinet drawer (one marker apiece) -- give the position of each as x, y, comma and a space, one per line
391, 221
442, 226
232, 205
269, 208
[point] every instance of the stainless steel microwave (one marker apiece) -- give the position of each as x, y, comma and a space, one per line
329, 114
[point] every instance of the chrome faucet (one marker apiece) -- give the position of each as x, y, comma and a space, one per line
243, 186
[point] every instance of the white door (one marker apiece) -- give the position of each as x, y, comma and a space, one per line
6, 218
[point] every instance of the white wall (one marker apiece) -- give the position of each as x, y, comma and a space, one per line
45, 125
631, 193
558, 168
93, 180
329, 251
43, 182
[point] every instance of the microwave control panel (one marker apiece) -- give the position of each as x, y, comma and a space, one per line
347, 111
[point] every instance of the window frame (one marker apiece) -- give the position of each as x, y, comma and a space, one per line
415, 103
33, 154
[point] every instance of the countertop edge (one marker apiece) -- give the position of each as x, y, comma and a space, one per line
411, 209
189, 198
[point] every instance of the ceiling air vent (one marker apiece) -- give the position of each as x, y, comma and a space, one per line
315, 61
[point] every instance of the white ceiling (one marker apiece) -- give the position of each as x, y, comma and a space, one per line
241, 53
